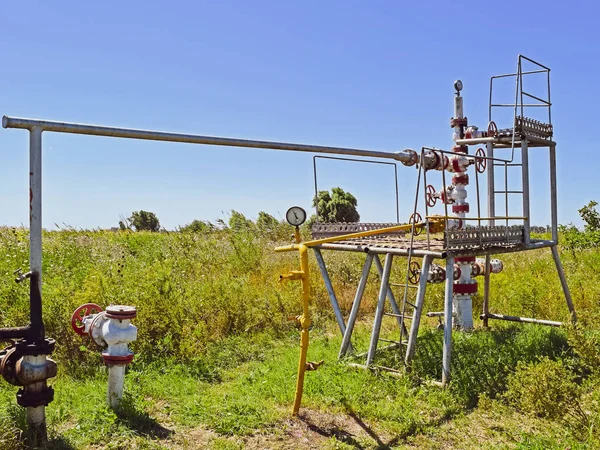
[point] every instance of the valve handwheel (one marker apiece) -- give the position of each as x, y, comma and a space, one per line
492, 129
480, 161
414, 272
430, 193
416, 218
77, 318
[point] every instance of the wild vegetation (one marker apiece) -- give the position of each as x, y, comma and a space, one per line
216, 354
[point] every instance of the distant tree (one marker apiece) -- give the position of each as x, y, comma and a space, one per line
140, 221
266, 222
590, 216
339, 206
197, 226
238, 222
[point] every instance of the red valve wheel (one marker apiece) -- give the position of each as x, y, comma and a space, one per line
416, 218
77, 318
414, 272
480, 161
430, 195
492, 129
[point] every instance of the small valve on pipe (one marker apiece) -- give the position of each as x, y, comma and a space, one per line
111, 329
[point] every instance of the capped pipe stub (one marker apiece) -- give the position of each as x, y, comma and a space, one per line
121, 312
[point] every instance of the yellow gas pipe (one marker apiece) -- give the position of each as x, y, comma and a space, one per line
436, 224
304, 319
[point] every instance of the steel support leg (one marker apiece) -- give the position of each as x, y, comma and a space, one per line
486, 291
346, 341
330, 291
385, 279
448, 320
563, 282
525, 189
390, 294
416, 320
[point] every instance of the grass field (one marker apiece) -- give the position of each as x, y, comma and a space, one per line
216, 355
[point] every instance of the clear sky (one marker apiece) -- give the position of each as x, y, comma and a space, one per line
374, 75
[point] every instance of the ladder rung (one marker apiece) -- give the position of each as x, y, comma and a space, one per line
398, 315
508, 165
508, 192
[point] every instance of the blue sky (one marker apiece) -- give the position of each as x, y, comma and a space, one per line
374, 75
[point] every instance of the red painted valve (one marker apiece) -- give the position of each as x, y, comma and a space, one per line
414, 272
480, 161
430, 196
416, 218
492, 129
78, 315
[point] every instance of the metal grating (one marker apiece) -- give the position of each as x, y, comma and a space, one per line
325, 230
483, 237
531, 127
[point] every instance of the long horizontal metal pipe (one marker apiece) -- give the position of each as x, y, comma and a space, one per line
521, 319
130, 133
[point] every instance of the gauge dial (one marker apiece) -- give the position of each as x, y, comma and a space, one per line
458, 85
295, 216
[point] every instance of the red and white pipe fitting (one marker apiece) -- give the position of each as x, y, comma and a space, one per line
111, 329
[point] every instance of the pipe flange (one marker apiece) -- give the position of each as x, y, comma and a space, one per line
41, 347
458, 122
28, 399
8, 365
460, 149
465, 289
460, 208
121, 312
114, 360
465, 259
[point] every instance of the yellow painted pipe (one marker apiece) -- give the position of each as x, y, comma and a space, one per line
304, 323
434, 222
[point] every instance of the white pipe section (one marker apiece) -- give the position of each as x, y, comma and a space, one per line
447, 350
116, 380
36, 416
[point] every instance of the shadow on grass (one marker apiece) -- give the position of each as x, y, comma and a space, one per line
139, 420
331, 431
59, 443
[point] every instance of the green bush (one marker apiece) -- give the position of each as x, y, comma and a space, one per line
547, 389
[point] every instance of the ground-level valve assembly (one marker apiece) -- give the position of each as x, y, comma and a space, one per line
113, 330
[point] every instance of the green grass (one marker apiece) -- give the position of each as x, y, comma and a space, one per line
216, 356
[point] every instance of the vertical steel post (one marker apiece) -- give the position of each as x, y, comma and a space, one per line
36, 416
490, 184
486, 291
553, 200
390, 294
356, 305
525, 189
385, 279
414, 326
330, 291
563, 282
447, 351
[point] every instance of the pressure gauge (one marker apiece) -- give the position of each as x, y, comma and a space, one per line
458, 85
295, 216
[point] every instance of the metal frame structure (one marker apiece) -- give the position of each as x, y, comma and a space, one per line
367, 161
456, 244
524, 134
